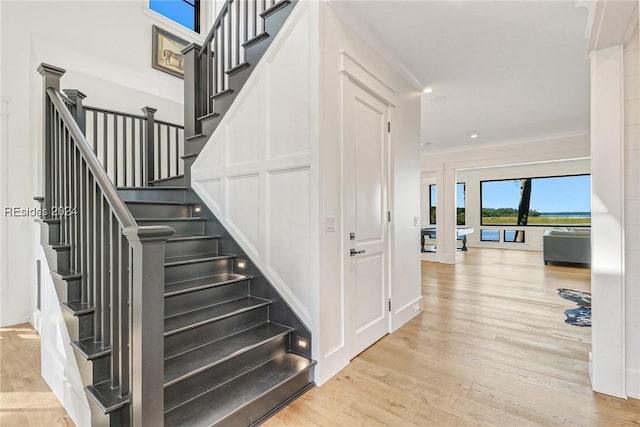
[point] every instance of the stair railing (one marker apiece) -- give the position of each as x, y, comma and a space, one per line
134, 149
121, 263
239, 24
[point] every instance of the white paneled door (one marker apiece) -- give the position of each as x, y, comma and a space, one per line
366, 254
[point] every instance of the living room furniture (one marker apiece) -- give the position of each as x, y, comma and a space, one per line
461, 234
567, 246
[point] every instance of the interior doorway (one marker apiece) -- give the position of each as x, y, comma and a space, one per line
366, 257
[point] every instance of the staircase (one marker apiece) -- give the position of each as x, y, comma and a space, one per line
227, 362
171, 322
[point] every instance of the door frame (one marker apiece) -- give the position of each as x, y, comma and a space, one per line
350, 326
353, 72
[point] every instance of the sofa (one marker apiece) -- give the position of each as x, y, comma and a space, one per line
567, 245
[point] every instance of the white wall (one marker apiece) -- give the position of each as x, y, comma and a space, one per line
106, 48
444, 166
632, 211
271, 183
340, 44
472, 178
258, 172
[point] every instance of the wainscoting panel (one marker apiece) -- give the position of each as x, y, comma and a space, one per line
255, 171
244, 128
288, 125
243, 207
288, 229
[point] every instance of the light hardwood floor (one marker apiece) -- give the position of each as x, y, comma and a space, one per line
490, 348
25, 399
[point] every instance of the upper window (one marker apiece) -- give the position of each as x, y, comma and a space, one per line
460, 203
549, 201
433, 194
184, 12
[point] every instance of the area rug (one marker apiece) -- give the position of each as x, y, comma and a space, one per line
581, 315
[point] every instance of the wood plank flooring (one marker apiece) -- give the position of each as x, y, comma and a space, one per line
25, 399
490, 348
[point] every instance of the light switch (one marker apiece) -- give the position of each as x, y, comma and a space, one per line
329, 224
416, 221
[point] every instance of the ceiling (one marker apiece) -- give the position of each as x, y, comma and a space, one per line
508, 70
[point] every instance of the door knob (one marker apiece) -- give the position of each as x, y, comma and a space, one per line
353, 252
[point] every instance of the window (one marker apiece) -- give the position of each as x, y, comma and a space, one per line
487, 235
513, 236
460, 203
184, 12
432, 203
548, 201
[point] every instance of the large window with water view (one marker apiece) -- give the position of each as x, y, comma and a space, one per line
547, 201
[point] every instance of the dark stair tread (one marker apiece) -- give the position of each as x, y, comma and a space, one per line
78, 308
58, 246
255, 40
199, 359
186, 238
184, 321
90, 349
276, 7
184, 287
207, 117
222, 93
234, 395
167, 178
66, 274
197, 135
193, 259
108, 398
158, 202
153, 188
238, 68
179, 218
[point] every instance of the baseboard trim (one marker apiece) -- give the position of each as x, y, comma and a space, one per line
405, 313
633, 383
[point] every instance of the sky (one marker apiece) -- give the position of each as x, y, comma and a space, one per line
176, 10
460, 189
558, 194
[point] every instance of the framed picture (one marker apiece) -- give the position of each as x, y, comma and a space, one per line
167, 50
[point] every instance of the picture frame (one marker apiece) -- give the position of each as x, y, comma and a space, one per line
167, 52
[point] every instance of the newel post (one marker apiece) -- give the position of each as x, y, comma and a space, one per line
192, 96
51, 76
149, 146
78, 113
147, 323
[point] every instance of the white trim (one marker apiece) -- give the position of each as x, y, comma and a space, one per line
4, 168
633, 383
406, 313
367, 79
289, 297
612, 21
174, 27
607, 222
373, 41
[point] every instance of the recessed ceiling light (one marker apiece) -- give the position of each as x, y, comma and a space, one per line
425, 143
427, 90
473, 135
